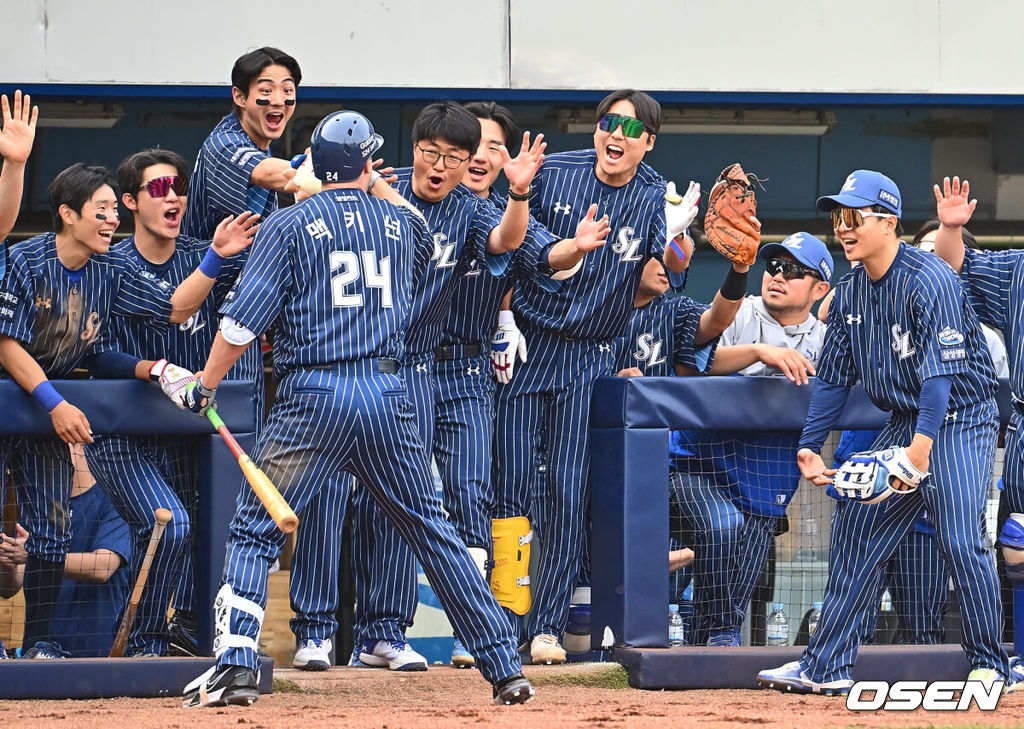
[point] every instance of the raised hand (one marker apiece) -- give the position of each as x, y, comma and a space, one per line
521, 170
386, 173
953, 205
591, 233
19, 127
680, 211
235, 233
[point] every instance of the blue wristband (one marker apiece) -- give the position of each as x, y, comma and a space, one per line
675, 247
211, 264
48, 397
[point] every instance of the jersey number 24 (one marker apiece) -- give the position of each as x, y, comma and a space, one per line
374, 274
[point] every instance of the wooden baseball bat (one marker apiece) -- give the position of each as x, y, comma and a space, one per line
265, 489
162, 517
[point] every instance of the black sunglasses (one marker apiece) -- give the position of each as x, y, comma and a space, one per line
789, 270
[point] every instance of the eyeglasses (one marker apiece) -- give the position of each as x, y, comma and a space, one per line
431, 156
789, 270
852, 218
160, 186
631, 127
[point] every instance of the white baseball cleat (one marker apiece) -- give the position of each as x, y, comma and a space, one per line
392, 654
545, 648
314, 654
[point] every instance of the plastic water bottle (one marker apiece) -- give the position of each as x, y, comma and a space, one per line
777, 627
675, 626
686, 611
813, 618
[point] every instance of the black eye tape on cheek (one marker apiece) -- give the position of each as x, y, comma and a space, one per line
289, 102
100, 216
262, 102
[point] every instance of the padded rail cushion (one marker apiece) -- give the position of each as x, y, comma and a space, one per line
727, 403
699, 667
125, 406
102, 678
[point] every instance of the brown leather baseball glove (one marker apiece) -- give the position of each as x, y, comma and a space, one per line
731, 222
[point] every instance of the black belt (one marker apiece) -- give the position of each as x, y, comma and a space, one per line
383, 365
1018, 404
457, 351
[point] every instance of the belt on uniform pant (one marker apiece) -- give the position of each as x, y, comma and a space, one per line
1018, 404
457, 351
370, 365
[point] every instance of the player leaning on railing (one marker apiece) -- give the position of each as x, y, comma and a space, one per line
59, 291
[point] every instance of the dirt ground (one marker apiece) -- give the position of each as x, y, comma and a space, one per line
568, 697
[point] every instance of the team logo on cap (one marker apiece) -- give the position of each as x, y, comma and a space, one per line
850, 183
825, 268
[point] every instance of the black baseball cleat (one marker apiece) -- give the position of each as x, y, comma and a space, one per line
230, 685
182, 629
513, 690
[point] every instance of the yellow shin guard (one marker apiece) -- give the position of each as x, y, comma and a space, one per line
510, 579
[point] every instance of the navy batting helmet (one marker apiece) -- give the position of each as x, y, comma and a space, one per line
341, 144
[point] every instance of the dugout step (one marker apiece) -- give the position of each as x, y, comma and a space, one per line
104, 678
694, 667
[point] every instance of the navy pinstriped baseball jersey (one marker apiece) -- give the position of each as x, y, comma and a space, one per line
346, 324
220, 183
596, 303
58, 314
995, 281
459, 226
661, 334
910, 325
185, 344
478, 293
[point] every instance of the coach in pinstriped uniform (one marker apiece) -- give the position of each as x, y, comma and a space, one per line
901, 324
465, 387
334, 276
464, 229
571, 336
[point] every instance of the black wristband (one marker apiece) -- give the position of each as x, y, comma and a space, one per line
525, 197
734, 287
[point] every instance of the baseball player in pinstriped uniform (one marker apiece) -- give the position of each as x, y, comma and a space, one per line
571, 335
901, 324
143, 473
995, 281
235, 172
333, 275
465, 387
60, 291
733, 493
465, 228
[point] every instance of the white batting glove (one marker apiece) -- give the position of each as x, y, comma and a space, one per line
506, 344
174, 380
680, 211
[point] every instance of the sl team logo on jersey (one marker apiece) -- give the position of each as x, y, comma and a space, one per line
901, 342
444, 251
193, 324
91, 330
648, 351
474, 269
626, 245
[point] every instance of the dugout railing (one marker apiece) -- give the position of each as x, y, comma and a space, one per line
630, 423
131, 407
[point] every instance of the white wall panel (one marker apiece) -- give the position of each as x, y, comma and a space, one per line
445, 43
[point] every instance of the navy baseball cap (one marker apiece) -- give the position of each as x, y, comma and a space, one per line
807, 249
864, 188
